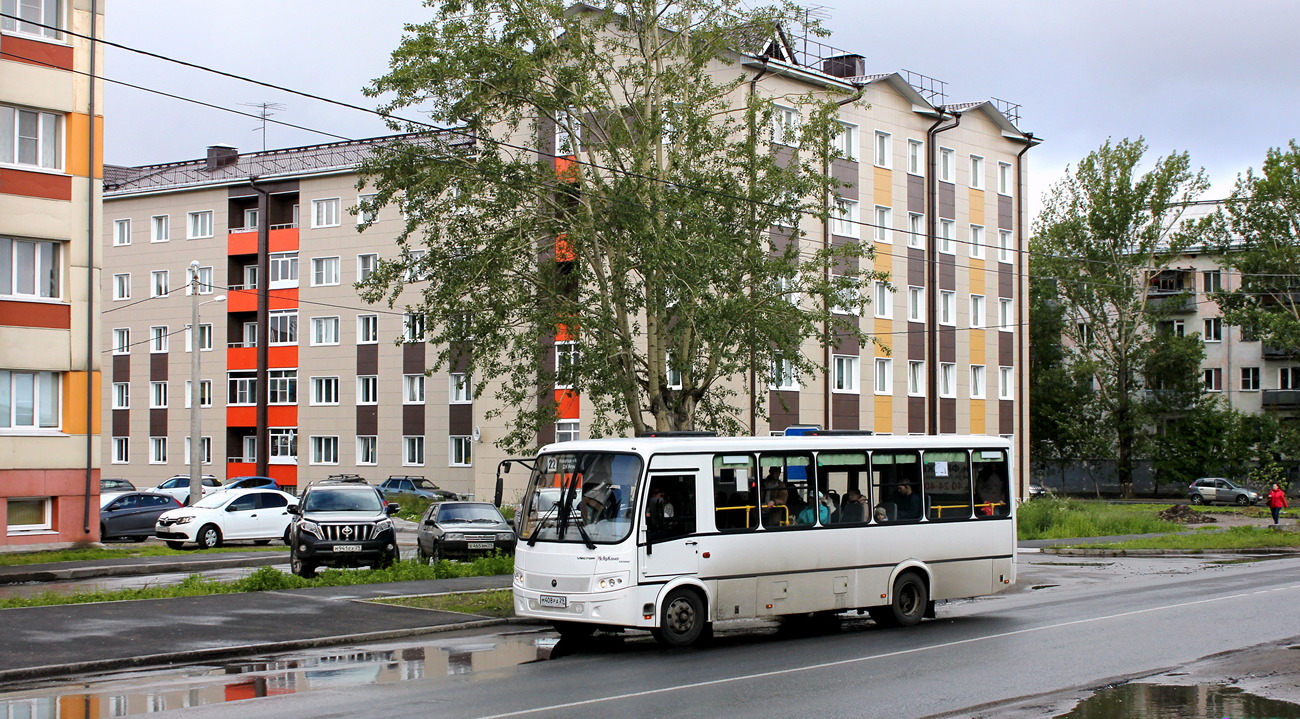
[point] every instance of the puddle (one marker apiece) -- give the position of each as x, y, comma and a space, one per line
143, 692
1159, 701
1251, 559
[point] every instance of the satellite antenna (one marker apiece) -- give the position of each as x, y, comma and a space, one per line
264, 111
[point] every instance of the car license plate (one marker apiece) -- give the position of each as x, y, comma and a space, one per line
480, 545
551, 600
347, 547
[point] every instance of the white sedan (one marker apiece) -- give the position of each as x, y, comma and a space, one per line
260, 515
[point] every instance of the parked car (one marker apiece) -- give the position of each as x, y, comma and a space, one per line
1036, 491
341, 524
249, 482
107, 486
260, 515
462, 530
179, 486
132, 514
1208, 490
419, 486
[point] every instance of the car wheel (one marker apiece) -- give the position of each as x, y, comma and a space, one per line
1242, 500
261, 542
682, 619
103, 533
306, 570
420, 556
287, 541
175, 545
139, 538
910, 600
1198, 499
388, 560
209, 537
436, 555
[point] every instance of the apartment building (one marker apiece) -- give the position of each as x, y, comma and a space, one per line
51, 136
936, 187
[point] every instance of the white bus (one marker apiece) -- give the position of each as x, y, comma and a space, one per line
673, 533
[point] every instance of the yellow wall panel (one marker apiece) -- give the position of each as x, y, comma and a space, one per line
75, 133
977, 424
976, 207
884, 420
74, 403
882, 188
882, 332
977, 344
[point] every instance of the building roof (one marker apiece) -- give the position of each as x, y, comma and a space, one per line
270, 164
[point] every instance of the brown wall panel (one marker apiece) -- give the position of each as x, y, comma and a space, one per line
846, 171
367, 359
413, 357
1005, 209
947, 344
367, 419
846, 411
158, 367
947, 272
947, 200
121, 423
158, 427
947, 415
1007, 349
121, 368
915, 345
1006, 416
783, 407
915, 414
916, 194
412, 419
460, 419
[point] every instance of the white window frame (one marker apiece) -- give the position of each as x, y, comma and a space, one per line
884, 229
322, 389
413, 388
947, 379
460, 388
205, 281
157, 450
285, 336
121, 450
882, 297
367, 263
947, 237
844, 218
1006, 382
38, 395
1213, 329
324, 449
1250, 379
160, 228
916, 230
367, 329
121, 340
122, 232
121, 395
977, 311
325, 212
846, 374
566, 353
367, 450
784, 378
915, 157
122, 286
846, 141
884, 376
883, 149
199, 225
947, 164
948, 308
977, 242
413, 327
1213, 377
205, 337
460, 450
915, 304
976, 172
367, 389
34, 273
284, 445
785, 125
325, 331
46, 145
916, 378
1004, 178
1004, 246
284, 270
568, 430
205, 393
364, 217
978, 381
158, 339
159, 283
205, 446
413, 450
1006, 315
325, 271
282, 386
46, 23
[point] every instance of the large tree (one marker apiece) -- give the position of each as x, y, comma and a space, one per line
668, 251
1105, 230
1262, 246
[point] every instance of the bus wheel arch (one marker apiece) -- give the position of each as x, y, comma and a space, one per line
909, 598
683, 616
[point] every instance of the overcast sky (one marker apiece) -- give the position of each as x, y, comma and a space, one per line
1215, 79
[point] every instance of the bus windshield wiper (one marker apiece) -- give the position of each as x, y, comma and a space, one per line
532, 538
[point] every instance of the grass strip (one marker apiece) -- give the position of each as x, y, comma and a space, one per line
1231, 538
498, 603
266, 579
78, 554
1063, 518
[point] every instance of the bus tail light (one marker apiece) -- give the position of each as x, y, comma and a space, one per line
648, 611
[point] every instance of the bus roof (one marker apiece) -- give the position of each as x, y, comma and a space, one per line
687, 445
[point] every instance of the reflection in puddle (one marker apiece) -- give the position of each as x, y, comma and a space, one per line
1158, 701
128, 694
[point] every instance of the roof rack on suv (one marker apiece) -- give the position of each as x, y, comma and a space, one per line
349, 478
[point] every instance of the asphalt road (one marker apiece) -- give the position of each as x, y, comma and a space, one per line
1072, 623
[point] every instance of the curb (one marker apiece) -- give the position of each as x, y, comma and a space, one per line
135, 570
1084, 552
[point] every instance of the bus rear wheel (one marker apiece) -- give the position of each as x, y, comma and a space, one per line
911, 597
682, 620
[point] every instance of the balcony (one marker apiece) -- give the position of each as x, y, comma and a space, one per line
1270, 352
1282, 398
1174, 303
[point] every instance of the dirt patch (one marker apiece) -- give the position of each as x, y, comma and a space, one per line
1183, 514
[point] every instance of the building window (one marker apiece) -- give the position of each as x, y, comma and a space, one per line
122, 341
282, 327
365, 216
566, 430
413, 328
28, 514
1213, 379
29, 400
883, 298
205, 280
947, 379
121, 395
250, 220
199, 225
413, 389
121, 450
122, 287
159, 283
977, 172
1288, 378
1250, 379
158, 339
916, 230
324, 390
567, 141
785, 125
783, 375
947, 164
1005, 247
284, 270
977, 381
205, 449
324, 330
367, 329
205, 338
1213, 280
566, 358
413, 451
915, 157
325, 213
30, 137
672, 373
34, 17
1213, 329
844, 218
1006, 379
948, 237
283, 386
121, 232
1006, 322
157, 395
366, 266
205, 393
324, 450
884, 149
160, 228
324, 271
849, 300
884, 224
241, 387
915, 304
844, 376
459, 451
976, 311
461, 388
367, 450
1004, 178
884, 375
157, 450
916, 378
284, 446
846, 141
947, 307
976, 242
29, 268
368, 389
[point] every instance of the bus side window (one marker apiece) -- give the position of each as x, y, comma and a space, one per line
788, 496
735, 493
947, 485
991, 494
842, 477
670, 507
896, 485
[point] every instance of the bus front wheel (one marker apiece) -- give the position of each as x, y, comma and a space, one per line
911, 597
682, 619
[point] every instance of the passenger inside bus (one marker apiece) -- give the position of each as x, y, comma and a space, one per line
816, 512
854, 508
908, 503
881, 514
990, 489
776, 511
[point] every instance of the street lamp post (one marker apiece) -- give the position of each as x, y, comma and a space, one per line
196, 394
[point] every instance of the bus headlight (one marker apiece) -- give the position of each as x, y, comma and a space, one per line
612, 581
519, 577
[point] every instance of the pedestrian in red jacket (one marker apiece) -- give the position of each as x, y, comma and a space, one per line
1276, 501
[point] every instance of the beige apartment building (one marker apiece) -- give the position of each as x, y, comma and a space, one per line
51, 139
937, 187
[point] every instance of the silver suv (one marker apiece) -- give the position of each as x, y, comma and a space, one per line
1208, 490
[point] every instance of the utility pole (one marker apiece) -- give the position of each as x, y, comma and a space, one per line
196, 394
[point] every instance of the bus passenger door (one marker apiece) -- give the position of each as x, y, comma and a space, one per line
671, 547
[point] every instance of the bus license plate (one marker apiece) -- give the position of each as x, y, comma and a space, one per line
480, 545
550, 600
347, 547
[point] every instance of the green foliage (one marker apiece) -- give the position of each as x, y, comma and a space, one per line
1056, 518
493, 603
412, 506
654, 252
11, 559
1230, 538
1062, 410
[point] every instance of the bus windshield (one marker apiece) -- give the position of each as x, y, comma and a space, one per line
584, 497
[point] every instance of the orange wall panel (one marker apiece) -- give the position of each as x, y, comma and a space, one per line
241, 301
282, 299
282, 415
282, 357
35, 314
36, 52
566, 403
74, 403
78, 127
35, 184
245, 243
241, 416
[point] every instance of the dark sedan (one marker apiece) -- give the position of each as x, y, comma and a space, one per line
462, 530
132, 514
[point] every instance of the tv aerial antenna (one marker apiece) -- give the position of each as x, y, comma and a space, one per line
264, 110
